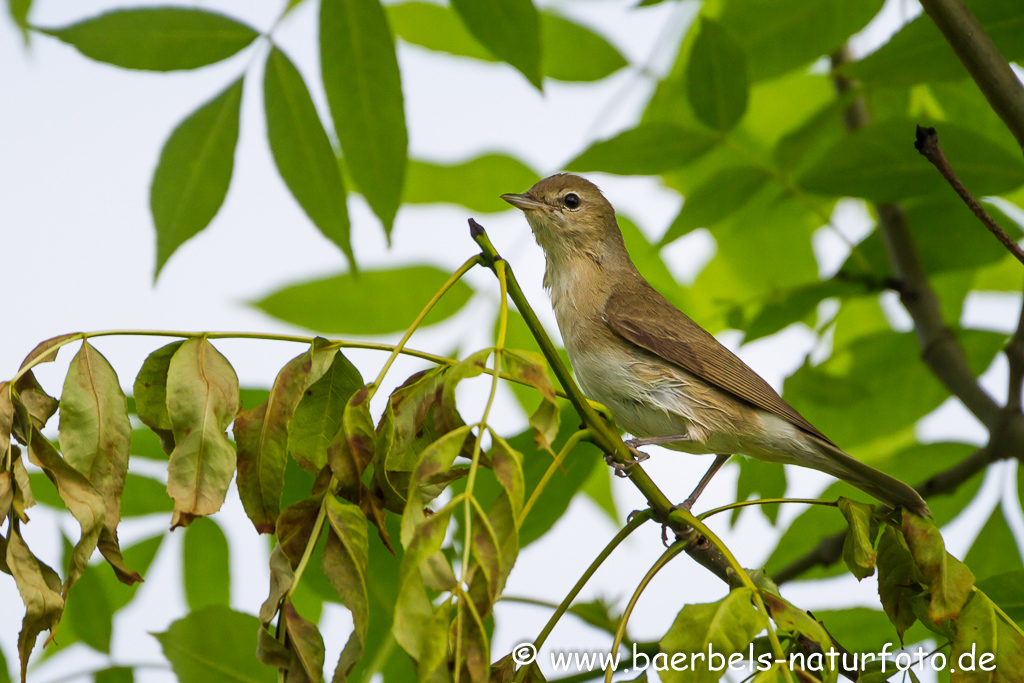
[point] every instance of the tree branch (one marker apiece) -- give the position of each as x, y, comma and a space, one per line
1015, 355
927, 144
990, 71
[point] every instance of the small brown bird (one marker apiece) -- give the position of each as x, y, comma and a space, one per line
665, 379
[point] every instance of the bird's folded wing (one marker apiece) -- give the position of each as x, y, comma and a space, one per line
652, 323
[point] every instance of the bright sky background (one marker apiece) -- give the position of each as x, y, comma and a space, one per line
78, 145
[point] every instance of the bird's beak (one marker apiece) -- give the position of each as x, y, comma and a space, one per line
523, 201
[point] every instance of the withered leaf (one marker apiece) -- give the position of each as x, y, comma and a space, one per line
40, 405
83, 500
40, 590
202, 399
897, 580
6, 417
530, 367
345, 563
95, 438
46, 351
23, 498
262, 437
949, 580
859, 547
281, 578
306, 642
295, 527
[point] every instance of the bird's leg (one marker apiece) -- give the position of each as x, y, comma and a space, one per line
704, 481
654, 440
692, 498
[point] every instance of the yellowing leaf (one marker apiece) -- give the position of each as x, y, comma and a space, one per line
202, 399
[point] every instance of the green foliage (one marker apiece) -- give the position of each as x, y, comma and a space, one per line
302, 151
194, 172
157, 38
364, 91
761, 148
373, 302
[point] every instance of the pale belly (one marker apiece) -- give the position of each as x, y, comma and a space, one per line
653, 399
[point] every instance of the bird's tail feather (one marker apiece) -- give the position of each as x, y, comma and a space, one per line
869, 480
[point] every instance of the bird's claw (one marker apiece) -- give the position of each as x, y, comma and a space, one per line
685, 505
622, 468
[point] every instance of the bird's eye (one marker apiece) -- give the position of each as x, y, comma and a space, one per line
572, 200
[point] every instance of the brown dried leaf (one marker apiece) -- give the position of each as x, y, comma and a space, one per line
6, 417
23, 498
6, 493
202, 400
281, 579
40, 405
46, 351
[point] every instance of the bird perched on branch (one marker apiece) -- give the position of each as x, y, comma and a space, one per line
664, 378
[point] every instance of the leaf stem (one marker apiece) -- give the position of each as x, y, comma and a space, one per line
766, 501
467, 545
570, 444
666, 557
310, 545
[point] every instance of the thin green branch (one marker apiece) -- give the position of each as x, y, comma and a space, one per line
570, 444
418, 320
666, 557
632, 525
765, 501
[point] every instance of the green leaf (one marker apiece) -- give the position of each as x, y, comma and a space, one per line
115, 674
716, 77
261, 434
1007, 591
215, 645
722, 195
897, 580
761, 479
788, 33
206, 565
371, 303
302, 151
598, 488
144, 496
18, 9
95, 438
879, 162
575, 53
650, 149
726, 626
192, 177
319, 413
859, 547
202, 400
157, 38
476, 184
510, 29
919, 52
150, 396
995, 549
40, 590
364, 91
859, 629
345, 562
571, 52
975, 634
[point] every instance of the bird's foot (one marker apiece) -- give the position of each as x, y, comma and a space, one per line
685, 505
622, 468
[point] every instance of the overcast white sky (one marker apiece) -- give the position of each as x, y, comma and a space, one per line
79, 142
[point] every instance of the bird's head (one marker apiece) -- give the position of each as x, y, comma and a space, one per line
569, 217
